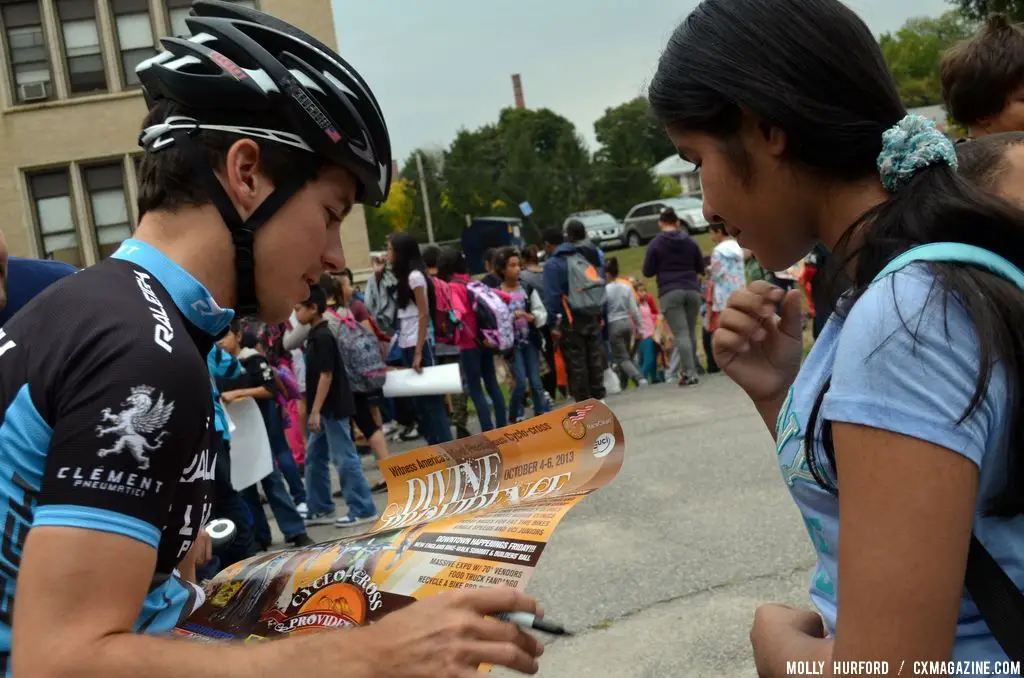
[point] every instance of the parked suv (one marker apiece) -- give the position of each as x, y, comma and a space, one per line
602, 228
641, 222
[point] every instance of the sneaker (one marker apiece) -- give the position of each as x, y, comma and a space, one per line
301, 540
689, 381
389, 428
643, 383
303, 510
349, 521
320, 518
411, 433
382, 486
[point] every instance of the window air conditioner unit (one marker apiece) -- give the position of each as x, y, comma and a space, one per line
33, 91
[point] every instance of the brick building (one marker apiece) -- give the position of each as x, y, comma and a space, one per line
70, 111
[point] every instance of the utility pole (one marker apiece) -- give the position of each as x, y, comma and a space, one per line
426, 200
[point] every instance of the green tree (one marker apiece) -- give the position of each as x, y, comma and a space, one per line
913, 53
528, 155
978, 10
632, 142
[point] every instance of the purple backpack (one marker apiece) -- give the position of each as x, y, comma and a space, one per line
493, 318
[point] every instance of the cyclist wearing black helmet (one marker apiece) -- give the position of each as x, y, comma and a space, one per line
258, 142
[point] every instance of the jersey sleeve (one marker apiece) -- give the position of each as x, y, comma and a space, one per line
127, 418
907, 362
261, 374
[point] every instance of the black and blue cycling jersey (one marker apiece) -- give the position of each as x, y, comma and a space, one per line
106, 421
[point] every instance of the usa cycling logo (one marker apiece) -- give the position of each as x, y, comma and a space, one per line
142, 414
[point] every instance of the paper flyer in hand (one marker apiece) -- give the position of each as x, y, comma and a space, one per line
471, 513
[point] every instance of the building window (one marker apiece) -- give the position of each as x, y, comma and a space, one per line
82, 45
178, 11
134, 36
55, 216
26, 46
109, 203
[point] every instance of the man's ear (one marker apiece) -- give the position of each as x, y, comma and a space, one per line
245, 183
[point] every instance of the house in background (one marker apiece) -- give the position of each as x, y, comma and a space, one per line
686, 173
70, 113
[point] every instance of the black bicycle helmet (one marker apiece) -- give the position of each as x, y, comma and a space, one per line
241, 59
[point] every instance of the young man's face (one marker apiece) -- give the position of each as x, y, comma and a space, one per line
1010, 119
301, 241
305, 314
230, 342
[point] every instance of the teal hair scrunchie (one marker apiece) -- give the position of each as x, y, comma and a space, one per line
911, 145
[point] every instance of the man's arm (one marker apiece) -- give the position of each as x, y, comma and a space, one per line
93, 635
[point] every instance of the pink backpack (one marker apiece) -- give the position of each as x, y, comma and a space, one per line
448, 314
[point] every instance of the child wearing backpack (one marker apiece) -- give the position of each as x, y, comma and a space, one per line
477, 362
574, 297
528, 312
413, 332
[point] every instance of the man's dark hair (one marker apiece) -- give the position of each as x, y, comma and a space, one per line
716, 227
552, 236
575, 232
489, 255
167, 180
531, 255
983, 160
668, 216
611, 267
431, 254
981, 73
317, 299
235, 327
347, 273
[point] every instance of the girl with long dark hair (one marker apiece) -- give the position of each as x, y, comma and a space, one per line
528, 313
906, 415
414, 301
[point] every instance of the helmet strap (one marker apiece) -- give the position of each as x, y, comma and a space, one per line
242, 232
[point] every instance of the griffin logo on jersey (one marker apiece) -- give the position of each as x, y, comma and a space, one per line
139, 418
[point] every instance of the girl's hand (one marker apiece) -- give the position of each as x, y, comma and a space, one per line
758, 349
778, 630
417, 362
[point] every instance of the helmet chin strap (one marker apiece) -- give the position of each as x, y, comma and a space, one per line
243, 232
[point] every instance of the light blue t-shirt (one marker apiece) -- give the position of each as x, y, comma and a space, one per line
883, 379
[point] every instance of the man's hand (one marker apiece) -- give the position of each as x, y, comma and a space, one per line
200, 554
448, 636
314, 421
556, 336
231, 396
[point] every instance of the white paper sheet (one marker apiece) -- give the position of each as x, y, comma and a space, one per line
436, 380
251, 459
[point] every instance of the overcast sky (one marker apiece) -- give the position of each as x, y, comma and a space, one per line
439, 65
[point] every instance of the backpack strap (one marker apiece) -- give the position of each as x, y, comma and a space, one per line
955, 252
996, 596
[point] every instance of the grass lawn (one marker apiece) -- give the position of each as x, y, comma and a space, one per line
631, 260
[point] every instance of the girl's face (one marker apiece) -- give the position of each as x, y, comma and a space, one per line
769, 208
391, 254
641, 292
230, 343
512, 269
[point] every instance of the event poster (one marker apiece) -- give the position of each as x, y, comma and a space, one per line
470, 513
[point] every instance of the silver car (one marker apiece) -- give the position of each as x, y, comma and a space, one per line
602, 228
641, 222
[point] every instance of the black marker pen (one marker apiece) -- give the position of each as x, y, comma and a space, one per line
525, 620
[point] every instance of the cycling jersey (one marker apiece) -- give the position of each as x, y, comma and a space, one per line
106, 419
